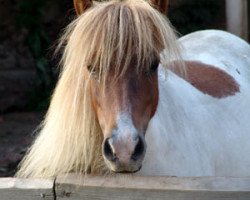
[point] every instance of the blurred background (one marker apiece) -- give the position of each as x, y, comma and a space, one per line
29, 30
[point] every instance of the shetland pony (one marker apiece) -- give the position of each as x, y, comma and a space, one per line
202, 127
114, 100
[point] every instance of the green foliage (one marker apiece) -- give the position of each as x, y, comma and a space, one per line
29, 17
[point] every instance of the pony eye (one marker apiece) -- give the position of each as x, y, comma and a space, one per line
93, 72
153, 67
90, 68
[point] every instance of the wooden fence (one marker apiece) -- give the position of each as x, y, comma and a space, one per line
125, 187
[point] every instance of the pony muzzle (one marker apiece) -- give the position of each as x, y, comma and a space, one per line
124, 154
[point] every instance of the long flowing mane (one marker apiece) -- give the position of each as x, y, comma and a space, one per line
108, 34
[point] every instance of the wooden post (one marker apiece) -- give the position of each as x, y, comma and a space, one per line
237, 17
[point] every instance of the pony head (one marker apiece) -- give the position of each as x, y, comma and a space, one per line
107, 92
127, 39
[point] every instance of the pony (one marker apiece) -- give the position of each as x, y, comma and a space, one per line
132, 98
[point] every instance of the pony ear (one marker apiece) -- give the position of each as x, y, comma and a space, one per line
161, 5
81, 6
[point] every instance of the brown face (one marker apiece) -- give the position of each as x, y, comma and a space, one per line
124, 109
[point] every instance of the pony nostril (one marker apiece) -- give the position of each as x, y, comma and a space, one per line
139, 149
108, 152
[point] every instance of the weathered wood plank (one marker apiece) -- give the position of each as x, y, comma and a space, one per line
132, 187
26, 189
124, 187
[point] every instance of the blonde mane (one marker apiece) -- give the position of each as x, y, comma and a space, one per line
108, 34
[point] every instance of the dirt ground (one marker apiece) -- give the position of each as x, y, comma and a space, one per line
16, 134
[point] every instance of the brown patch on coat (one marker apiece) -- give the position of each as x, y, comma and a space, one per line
207, 78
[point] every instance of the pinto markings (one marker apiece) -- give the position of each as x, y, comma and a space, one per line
208, 79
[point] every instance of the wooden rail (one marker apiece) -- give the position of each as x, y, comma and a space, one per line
26, 189
126, 187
